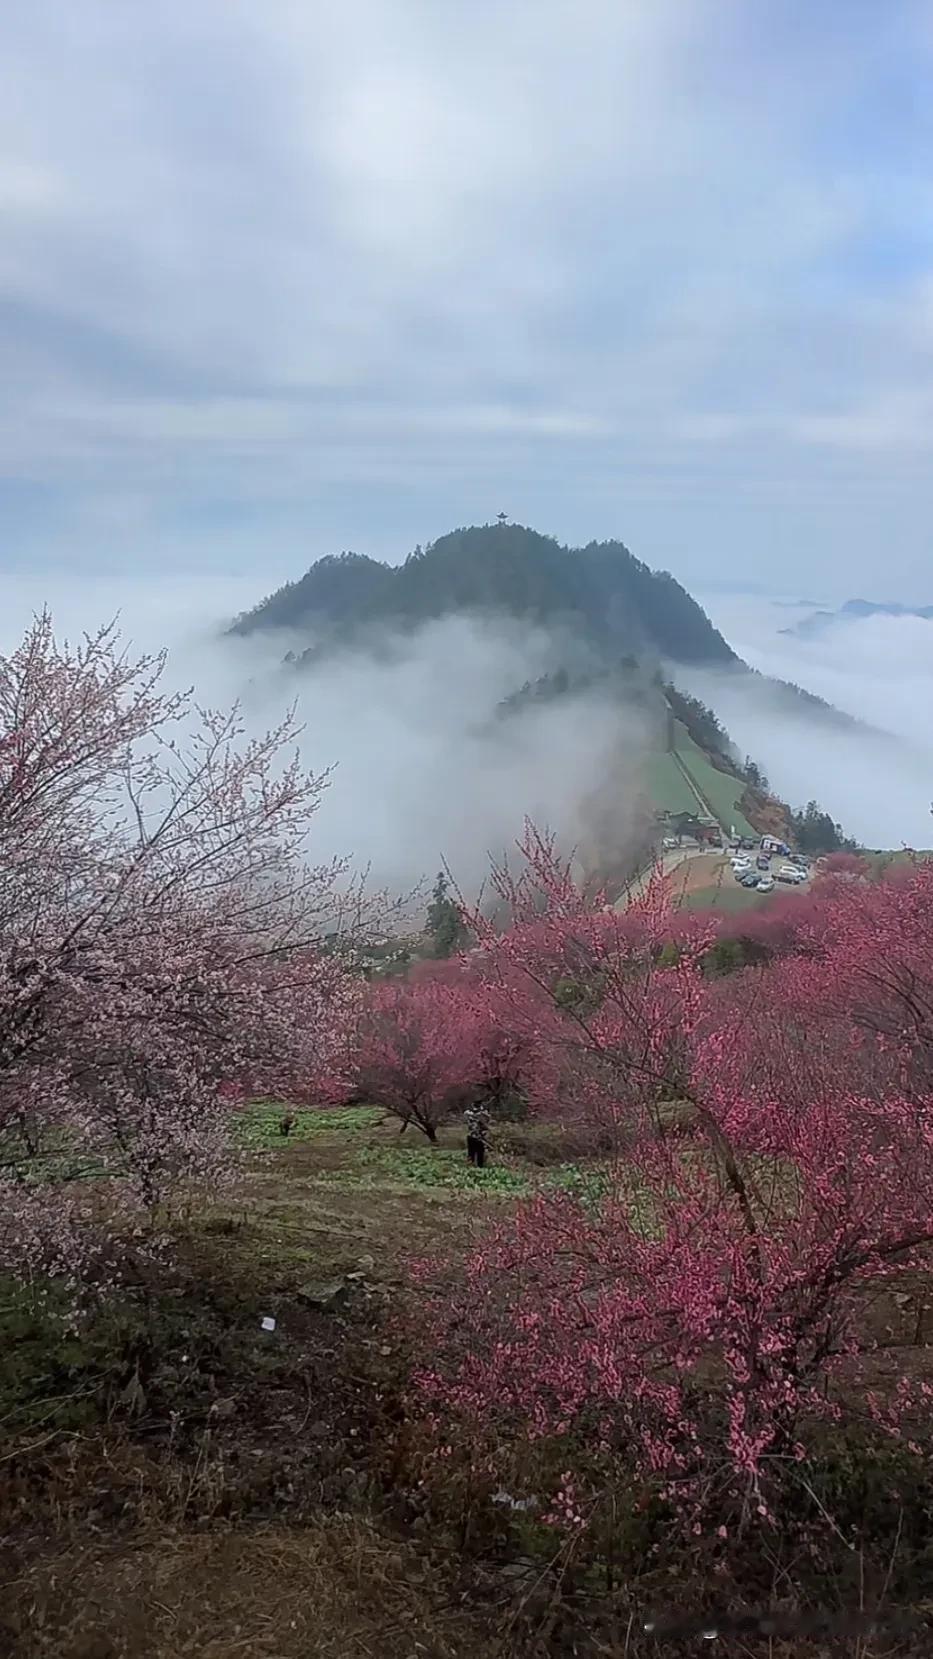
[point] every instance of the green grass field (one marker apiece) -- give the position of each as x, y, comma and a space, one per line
672, 792
667, 786
722, 792
882, 861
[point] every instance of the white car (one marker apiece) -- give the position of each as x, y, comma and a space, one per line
789, 872
766, 884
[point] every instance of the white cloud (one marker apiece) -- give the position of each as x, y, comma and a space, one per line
167, 610
422, 772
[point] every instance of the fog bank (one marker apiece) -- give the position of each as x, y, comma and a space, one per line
879, 669
423, 772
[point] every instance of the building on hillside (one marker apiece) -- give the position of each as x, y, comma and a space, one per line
695, 826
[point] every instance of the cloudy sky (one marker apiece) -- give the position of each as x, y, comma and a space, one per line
280, 279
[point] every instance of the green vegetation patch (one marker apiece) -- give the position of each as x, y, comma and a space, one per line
51, 1376
58, 1157
259, 1126
587, 1183
428, 1167
667, 786
721, 790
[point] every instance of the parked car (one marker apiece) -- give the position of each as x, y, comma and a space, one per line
763, 862
790, 872
751, 878
766, 884
748, 845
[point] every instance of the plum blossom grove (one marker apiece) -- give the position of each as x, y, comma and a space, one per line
164, 946
698, 1320
761, 1139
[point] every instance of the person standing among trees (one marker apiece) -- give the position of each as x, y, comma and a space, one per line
476, 1119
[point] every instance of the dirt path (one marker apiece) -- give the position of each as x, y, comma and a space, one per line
671, 861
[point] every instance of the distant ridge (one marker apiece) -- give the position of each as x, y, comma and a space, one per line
854, 610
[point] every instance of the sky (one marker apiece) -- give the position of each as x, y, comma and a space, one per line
280, 280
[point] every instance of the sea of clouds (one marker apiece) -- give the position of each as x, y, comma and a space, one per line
423, 773
879, 669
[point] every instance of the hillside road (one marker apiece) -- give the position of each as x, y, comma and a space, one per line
670, 861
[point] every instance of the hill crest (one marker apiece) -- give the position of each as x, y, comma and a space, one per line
614, 621
614, 599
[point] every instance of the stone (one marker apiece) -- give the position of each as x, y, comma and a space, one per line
323, 1293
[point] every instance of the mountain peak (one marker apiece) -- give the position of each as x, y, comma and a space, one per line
612, 598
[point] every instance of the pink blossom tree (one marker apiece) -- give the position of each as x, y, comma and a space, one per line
496, 1047
604, 999
417, 1044
160, 930
705, 1311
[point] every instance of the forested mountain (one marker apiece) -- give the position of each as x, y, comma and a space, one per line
613, 605
620, 630
614, 600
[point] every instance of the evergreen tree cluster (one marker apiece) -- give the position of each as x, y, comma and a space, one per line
816, 832
701, 723
755, 777
445, 928
625, 681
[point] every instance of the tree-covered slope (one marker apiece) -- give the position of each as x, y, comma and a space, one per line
610, 597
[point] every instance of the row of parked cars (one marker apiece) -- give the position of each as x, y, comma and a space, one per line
758, 872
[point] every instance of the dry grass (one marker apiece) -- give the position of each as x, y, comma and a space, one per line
343, 1589
335, 1589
